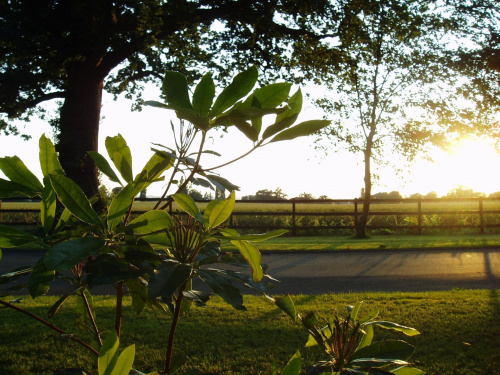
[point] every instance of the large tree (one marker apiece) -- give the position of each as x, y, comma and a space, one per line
394, 83
73, 49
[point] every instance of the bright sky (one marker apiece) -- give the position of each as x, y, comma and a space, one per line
295, 165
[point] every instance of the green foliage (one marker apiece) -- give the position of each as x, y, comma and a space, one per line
157, 256
347, 341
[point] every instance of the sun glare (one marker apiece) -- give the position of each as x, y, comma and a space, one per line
471, 163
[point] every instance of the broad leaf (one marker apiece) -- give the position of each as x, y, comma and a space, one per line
303, 129
353, 312
244, 127
397, 327
219, 211
67, 254
221, 183
48, 206
286, 304
138, 291
188, 205
120, 206
151, 221
40, 278
11, 237
119, 153
251, 255
49, 161
230, 235
175, 88
74, 199
381, 352
273, 95
199, 298
407, 371
17, 172
108, 269
279, 126
223, 286
124, 362
293, 366
294, 106
108, 354
104, 166
54, 309
65, 216
168, 278
241, 85
10, 189
367, 338
204, 94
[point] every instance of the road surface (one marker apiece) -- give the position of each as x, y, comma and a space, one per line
315, 273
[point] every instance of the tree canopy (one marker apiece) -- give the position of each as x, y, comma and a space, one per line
71, 50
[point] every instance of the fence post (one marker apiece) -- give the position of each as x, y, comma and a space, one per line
294, 232
419, 219
355, 212
481, 217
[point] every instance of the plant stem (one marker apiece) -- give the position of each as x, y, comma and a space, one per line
238, 158
173, 326
119, 305
96, 331
50, 325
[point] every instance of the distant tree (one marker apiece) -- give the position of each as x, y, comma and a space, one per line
305, 196
416, 196
116, 190
463, 192
431, 195
381, 195
496, 194
207, 196
268, 194
143, 194
324, 197
394, 195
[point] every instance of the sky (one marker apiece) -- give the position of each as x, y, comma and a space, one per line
294, 166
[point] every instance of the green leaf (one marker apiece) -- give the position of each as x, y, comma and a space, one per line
219, 211
58, 304
397, 327
221, 183
74, 199
244, 127
10, 237
40, 278
204, 94
407, 371
241, 85
286, 304
303, 129
156, 165
167, 278
120, 205
17, 172
188, 205
138, 291
354, 312
104, 166
119, 153
386, 351
175, 88
10, 189
49, 161
222, 286
48, 206
67, 254
250, 253
367, 337
293, 366
151, 221
273, 95
124, 362
279, 126
65, 216
108, 355
294, 106
108, 269
254, 237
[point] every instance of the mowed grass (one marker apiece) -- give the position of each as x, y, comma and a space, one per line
460, 333
382, 242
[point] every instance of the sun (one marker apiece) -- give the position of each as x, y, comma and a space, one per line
469, 162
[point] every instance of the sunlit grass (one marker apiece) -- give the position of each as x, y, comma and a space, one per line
460, 333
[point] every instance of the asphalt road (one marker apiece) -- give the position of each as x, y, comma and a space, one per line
315, 273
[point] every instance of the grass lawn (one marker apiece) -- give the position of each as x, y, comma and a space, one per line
332, 243
460, 333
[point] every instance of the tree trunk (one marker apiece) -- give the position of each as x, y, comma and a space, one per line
363, 219
79, 128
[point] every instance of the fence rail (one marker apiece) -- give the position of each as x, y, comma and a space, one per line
345, 208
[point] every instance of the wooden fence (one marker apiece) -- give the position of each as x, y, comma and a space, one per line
347, 208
